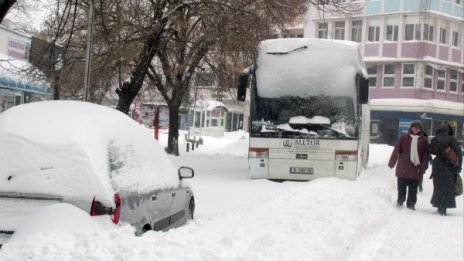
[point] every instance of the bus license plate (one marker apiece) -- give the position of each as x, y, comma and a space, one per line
301, 170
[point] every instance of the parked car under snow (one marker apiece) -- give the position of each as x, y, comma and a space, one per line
90, 156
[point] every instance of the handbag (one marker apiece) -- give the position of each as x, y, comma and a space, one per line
458, 186
452, 156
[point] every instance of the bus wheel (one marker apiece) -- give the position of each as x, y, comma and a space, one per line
145, 228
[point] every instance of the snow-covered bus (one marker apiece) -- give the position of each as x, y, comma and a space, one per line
309, 116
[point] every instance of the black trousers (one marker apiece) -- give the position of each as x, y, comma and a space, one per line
411, 185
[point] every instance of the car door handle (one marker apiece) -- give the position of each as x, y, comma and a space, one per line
173, 194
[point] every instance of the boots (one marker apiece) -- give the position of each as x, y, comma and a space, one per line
442, 211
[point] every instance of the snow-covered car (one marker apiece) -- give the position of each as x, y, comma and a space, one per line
93, 157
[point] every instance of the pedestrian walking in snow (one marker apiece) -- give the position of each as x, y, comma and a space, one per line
411, 158
443, 171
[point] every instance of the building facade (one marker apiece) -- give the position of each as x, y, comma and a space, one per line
16, 87
414, 54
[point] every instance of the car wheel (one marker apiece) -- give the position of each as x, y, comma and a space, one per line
191, 208
145, 228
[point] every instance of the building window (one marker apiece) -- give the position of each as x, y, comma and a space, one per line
322, 31
356, 31
372, 74
455, 38
428, 32
443, 35
217, 117
412, 32
373, 34
205, 79
409, 73
392, 33
462, 83
340, 30
441, 80
428, 79
197, 119
453, 86
389, 75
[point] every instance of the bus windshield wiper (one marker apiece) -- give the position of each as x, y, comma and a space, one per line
287, 52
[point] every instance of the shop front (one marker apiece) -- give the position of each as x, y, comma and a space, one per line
207, 118
14, 92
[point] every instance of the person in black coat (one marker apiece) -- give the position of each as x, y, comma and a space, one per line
443, 171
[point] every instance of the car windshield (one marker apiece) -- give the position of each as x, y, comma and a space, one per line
310, 117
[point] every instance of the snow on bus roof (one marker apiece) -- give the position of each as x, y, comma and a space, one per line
307, 67
417, 105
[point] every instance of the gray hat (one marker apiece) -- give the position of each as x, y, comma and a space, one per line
417, 123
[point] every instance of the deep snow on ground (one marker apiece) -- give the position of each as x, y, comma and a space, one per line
242, 219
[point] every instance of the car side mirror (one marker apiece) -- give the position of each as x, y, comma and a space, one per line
242, 86
186, 173
363, 89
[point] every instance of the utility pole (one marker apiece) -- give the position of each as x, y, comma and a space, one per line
88, 52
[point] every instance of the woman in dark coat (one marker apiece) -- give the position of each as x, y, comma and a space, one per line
443, 171
411, 152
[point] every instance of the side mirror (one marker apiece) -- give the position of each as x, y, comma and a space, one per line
363, 89
242, 86
186, 173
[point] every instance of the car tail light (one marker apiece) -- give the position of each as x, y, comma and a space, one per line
117, 212
98, 209
346, 155
259, 153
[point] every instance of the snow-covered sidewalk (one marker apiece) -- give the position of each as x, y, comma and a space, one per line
242, 219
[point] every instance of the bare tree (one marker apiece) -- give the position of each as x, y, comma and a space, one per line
167, 40
200, 28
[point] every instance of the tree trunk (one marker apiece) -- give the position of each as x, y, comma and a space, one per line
56, 88
126, 95
129, 90
173, 137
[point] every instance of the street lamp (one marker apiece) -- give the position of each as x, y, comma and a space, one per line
88, 52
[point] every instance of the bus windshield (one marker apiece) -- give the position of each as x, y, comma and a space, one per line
322, 117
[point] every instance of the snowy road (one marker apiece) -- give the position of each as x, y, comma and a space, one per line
242, 219
327, 219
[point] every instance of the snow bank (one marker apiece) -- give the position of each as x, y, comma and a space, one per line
59, 218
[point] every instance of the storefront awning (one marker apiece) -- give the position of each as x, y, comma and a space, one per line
6, 82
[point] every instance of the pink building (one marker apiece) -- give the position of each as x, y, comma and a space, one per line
413, 50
